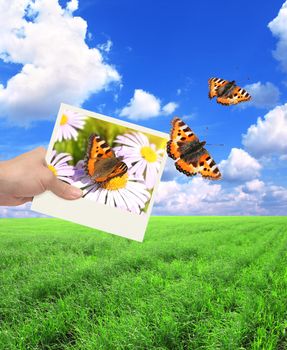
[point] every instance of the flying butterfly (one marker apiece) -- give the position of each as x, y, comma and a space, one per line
101, 164
190, 155
227, 92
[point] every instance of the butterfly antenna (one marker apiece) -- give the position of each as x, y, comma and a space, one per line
214, 144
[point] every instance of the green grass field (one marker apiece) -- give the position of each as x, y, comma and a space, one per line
195, 283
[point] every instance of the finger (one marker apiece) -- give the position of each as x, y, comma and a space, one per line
64, 190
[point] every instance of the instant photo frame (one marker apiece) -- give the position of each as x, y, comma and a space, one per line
93, 214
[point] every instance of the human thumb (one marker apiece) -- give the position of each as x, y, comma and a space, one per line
64, 190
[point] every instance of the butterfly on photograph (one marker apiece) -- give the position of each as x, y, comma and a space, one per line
101, 164
227, 92
190, 155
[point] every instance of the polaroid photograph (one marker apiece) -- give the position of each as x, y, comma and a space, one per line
117, 165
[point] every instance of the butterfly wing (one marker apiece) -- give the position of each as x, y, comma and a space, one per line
214, 84
180, 133
202, 164
237, 95
118, 170
97, 149
189, 169
208, 168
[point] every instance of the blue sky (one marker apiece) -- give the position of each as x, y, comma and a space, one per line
165, 50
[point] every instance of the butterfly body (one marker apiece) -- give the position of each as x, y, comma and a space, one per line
104, 167
226, 89
190, 149
101, 164
227, 92
190, 155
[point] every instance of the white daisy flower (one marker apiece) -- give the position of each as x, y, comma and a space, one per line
70, 123
57, 163
140, 155
126, 192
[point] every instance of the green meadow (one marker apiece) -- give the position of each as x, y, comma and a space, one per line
195, 283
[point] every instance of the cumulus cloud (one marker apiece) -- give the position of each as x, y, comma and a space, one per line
263, 95
56, 63
21, 211
278, 28
106, 47
72, 5
169, 108
170, 172
269, 135
276, 197
253, 186
144, 105
187, 198
239, 166
201, 197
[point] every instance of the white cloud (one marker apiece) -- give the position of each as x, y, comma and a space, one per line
253, 186
106, 47
277, 195
170, 172
278, 28
269, 135
144, 105
201, 197
21, 211
72, 5
186, 199
57, 65
169, 108
189, 116
239, 166
263, 95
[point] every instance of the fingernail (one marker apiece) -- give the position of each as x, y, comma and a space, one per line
76, 192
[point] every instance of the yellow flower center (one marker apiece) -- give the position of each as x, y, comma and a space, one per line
148, 154
64, 120
116, 183
53, 169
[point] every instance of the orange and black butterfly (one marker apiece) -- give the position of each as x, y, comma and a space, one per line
227, 92
101, 164
190, 155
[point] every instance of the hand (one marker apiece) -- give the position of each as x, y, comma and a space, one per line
27, 175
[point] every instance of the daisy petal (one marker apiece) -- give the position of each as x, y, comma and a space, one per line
136, 199
73, 132
138, 188
120, 203
102, 196
110, 199
125, 141
138, 168
66, 172
66, 179
129, 204
151, 175
144, 140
